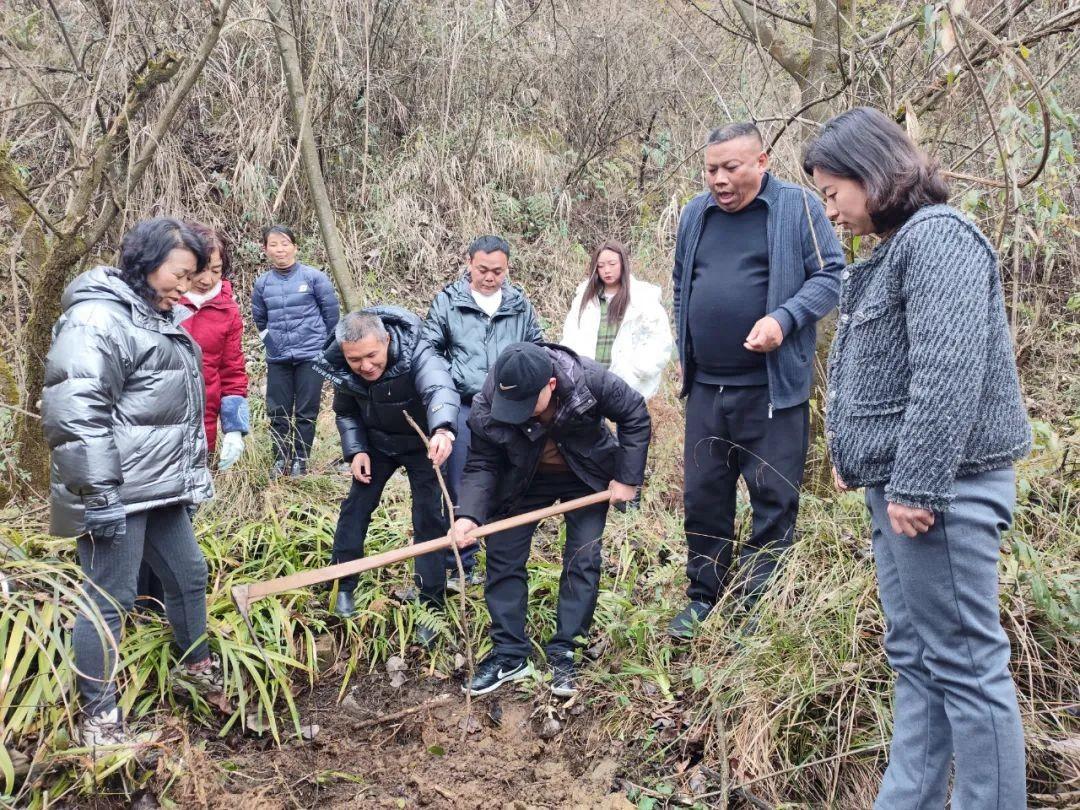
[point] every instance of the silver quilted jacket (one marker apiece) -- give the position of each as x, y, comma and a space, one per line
122, 405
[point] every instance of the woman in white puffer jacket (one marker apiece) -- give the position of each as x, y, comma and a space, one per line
620, 321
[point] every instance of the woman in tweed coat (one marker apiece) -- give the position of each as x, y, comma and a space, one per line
924, 410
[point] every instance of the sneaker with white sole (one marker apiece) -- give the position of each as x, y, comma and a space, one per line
103, 730
108, 730
208, 681
494, 671
563, 675
473, 576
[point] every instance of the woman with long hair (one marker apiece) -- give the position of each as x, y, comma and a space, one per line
924, 410
122, 411
619, 321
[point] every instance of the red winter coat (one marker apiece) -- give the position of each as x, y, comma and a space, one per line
217, 327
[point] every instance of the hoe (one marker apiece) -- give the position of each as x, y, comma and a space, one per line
245, 595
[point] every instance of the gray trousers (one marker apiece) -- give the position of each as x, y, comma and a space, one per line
164, 538
954, 697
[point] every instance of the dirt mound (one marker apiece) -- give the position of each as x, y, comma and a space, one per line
415, 746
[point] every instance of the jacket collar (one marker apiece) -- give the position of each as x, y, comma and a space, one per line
404, 330
572, 394
768, 194
460, 292
223, 300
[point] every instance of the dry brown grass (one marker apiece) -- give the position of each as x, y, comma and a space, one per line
559, 124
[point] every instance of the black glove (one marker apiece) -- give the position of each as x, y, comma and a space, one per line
107, 521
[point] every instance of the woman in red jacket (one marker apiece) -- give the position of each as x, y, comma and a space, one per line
217, 327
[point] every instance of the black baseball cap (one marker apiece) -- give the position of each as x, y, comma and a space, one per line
521, 372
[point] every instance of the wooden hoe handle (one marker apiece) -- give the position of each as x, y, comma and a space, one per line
245, 595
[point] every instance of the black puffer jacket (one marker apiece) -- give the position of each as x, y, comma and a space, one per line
416, 379
471, 341
503, 458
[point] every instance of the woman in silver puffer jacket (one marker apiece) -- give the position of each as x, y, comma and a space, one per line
122, 411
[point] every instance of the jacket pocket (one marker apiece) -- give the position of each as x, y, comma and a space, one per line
268, 342
869, 312
875, 430
883, 407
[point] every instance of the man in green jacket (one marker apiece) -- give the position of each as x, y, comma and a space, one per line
469, 323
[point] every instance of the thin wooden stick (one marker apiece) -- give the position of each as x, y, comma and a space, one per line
462, 601
435, 702
245, 595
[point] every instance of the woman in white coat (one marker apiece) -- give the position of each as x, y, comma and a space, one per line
620, 321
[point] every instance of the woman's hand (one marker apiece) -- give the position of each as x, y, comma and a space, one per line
909, 520
232, 447
839, 482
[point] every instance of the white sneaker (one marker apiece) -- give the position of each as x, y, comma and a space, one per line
103, 730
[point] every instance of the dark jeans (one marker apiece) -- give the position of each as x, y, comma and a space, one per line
507, 587
428, 516
454, 470
163, 537
150, 593
728, 434
293, 394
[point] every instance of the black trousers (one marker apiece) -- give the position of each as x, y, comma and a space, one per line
293, 395
454, 470
428, 516
507, 588
729, 433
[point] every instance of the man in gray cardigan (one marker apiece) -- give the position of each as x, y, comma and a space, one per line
757, 264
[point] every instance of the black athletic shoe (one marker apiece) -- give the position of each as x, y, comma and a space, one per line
494, 671
563, 675
299, 468
345, 605
685, 625
278, 470
426, 637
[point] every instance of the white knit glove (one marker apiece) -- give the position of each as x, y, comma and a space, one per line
232, 447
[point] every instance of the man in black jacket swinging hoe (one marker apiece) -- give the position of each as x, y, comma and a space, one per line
380, 367
539, 436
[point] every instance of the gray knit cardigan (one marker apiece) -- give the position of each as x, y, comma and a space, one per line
923, 387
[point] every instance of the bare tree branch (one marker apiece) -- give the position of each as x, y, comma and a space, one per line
796, 65
65, 121
335, 250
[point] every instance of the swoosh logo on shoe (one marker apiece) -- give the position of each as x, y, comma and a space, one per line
506, 674
506, 387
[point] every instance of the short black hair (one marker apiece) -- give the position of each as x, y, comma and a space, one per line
282, 229
489, 244
146, 246
738, 129
870, 148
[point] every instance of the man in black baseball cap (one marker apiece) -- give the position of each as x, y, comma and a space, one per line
539, 435
522, 373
